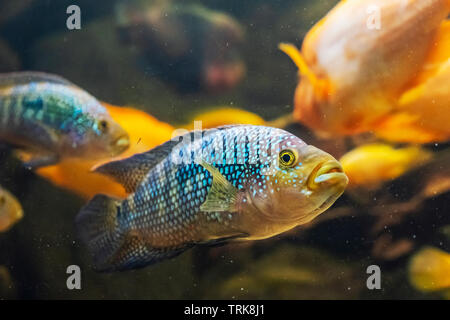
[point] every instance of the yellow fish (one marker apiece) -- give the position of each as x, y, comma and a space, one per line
10, 210
356, 62
225, 116
429, 270
145, 132
373, 164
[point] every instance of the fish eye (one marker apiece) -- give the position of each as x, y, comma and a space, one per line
288, 158
2, 200
103, 126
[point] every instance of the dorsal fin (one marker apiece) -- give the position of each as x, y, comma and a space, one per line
17, 78
130, 172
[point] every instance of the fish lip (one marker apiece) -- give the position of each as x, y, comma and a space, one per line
331, 177
122, 143
329, 171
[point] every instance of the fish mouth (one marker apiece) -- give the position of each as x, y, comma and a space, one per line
121, 144
325, 205
329, 172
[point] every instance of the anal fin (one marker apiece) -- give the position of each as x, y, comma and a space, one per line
134, 253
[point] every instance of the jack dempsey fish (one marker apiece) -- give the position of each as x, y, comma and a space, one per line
53, 119
206, 187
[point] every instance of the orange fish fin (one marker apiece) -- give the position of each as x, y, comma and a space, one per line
405, 128
438, 54
320, 86
411, 95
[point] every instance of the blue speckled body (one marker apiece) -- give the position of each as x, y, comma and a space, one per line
164, 215
52, 118
39, 113
168, 201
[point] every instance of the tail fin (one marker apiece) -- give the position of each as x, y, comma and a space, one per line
98, 227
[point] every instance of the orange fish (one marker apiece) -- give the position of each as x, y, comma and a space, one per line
225, 116
358, 61
429, 270
370, 165
423, 111
145, 133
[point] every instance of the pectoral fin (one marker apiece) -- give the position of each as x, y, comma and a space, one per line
222, 196
40, 160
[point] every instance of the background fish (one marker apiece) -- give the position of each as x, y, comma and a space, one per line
371, 165
239, 182
222, 116
190, 46
429, 270
10, 210
352, 75
52, 119
76, 176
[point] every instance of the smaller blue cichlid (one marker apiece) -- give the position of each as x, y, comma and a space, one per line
232, 183
51, 118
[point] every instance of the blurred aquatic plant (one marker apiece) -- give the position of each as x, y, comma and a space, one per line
355, 79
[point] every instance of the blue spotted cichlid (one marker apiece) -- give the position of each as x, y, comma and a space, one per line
232, 183
52, 118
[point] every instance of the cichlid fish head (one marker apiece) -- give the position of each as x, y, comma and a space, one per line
304, 183
94, 133
106, 137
